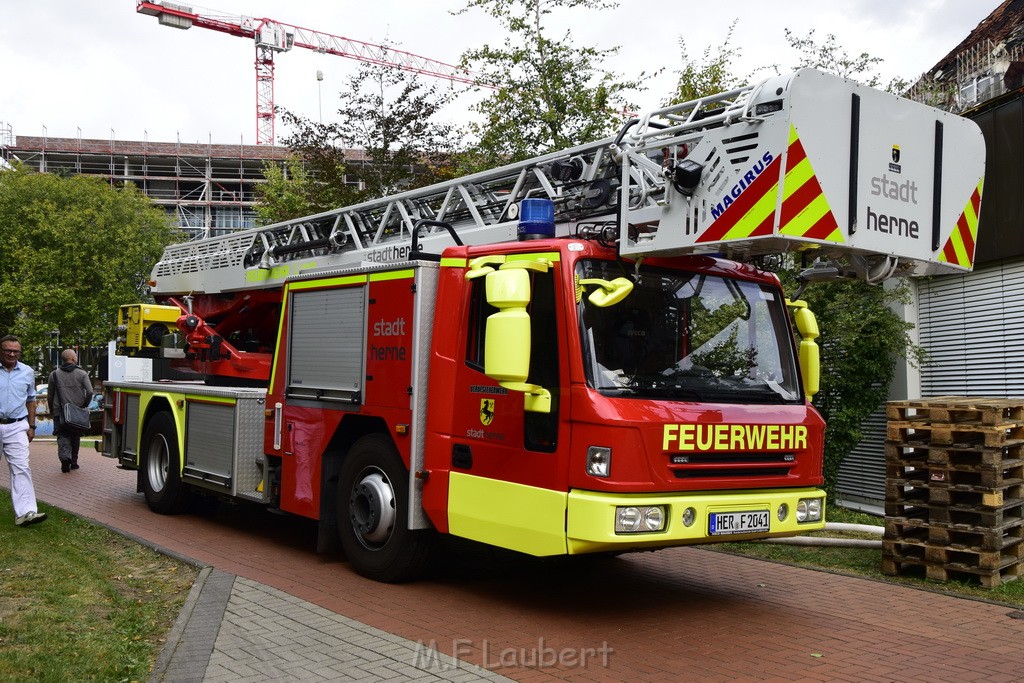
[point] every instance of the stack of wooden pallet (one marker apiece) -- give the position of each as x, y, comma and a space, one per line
954, 503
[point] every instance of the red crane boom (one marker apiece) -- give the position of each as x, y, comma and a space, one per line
273, 36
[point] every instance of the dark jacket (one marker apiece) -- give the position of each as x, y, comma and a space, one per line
68, 384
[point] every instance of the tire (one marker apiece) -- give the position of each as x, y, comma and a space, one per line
373, 512
160, 467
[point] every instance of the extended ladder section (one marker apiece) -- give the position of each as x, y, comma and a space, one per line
869, 184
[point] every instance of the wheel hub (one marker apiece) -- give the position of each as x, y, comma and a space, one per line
371, 508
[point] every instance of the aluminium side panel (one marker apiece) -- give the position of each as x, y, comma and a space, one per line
423, 324
224, 443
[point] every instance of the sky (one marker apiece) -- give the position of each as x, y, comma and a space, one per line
97, 69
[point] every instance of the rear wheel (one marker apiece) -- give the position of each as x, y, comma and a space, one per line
161, 466
373, 511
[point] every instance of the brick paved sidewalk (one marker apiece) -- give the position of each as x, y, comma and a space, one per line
233, 629
680, 614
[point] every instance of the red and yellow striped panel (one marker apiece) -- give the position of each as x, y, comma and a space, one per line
804, 213
959, 248
752, 214
805, 210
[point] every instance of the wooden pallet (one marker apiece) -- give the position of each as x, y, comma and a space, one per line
958, 536
988, 578
920, 511
908, 514
974, 496
955, 488
957, 410
906, 491
906, 454
1008, 473
976, 515
990, 477
920, 491
920, 454
956, 435
959, 557
966, 457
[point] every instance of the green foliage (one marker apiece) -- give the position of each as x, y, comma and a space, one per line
861, 341
709, 76
552, 95
73, 249
831, 57
289, 192
389, 119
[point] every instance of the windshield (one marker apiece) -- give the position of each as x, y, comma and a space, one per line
689, 336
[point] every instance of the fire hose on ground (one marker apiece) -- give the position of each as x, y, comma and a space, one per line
823, 541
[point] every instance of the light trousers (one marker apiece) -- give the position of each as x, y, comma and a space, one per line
14, 447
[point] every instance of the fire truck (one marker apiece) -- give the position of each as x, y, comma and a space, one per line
585, 352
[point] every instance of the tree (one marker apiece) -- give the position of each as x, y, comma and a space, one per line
861, 341
709, 76
830, 56
73, 250
551, 95
387, 125
290, 191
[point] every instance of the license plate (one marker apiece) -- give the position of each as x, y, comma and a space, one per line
724, 523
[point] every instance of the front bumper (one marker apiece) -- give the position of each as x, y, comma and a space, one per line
590, 525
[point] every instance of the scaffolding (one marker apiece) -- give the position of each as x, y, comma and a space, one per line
981, 72
207, 189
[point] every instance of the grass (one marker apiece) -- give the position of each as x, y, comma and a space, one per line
867, 562
79, 602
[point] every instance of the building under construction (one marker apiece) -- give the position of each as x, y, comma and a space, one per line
207, 189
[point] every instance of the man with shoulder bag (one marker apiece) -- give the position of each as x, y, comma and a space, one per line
68, 384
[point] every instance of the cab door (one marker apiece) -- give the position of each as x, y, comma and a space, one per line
508, 477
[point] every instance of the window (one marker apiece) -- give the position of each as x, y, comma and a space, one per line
690, 336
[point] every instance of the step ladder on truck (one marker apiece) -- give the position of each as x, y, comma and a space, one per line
567, 355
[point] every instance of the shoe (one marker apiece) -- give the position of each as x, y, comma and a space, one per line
30, 518
65, 466
74, 465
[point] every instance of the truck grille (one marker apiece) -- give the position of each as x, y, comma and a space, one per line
730, 465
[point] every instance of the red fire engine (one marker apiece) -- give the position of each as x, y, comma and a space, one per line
567, 355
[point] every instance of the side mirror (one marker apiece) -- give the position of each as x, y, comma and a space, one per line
507, 341
810, 363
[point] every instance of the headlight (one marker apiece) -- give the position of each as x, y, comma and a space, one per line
639, 519
808, 510
627, 520
599, 461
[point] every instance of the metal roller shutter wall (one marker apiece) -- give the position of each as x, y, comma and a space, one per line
973, 328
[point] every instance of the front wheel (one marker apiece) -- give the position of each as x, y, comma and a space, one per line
373, 512
160, 466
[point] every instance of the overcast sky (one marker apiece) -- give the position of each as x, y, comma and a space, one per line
97, 69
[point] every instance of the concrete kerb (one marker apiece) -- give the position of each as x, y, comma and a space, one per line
191, 641
180, 651
177, 631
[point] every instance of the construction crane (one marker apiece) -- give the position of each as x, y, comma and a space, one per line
273, 36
